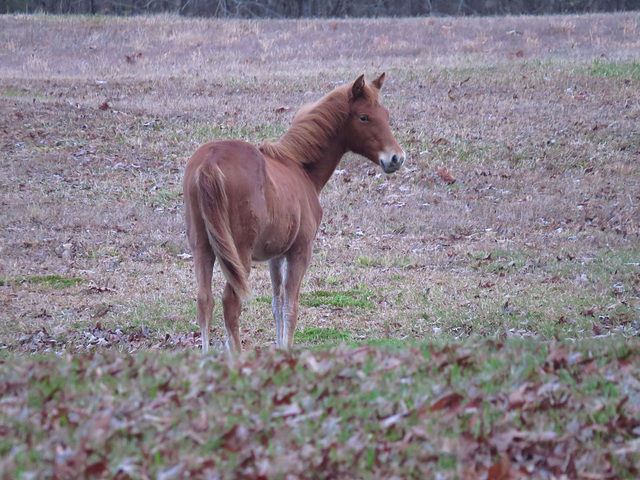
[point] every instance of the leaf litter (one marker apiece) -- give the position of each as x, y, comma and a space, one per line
79, 340
497, 411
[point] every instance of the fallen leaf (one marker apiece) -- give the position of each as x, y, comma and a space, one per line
597, 329
500, 470
558, 357
171, 472
96, 469
442, 141
518, 397
390, 420
445, 175
554, 279
235, 438
447, 401
284, 398
291, 410
202, 423
133, 58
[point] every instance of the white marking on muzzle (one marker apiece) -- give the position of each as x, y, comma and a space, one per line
391, 161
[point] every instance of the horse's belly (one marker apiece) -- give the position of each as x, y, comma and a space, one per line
266, 252
276, 239
269, 249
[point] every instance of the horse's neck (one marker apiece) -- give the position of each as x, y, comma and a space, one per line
323, 166
315, 140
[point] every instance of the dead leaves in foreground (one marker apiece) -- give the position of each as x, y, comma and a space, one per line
92, 337
496, 412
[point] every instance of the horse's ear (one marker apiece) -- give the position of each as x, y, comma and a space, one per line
378, 81
358, 88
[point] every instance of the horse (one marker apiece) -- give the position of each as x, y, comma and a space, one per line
244, 203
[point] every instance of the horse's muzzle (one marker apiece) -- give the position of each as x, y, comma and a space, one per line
391, 163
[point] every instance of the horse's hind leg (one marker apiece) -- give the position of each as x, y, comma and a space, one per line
232, 307
204, 259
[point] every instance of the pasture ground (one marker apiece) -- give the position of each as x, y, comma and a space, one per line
474, 315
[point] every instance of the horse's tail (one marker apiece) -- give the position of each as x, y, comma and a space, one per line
214, 208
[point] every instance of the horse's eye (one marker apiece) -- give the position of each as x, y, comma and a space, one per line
364, 118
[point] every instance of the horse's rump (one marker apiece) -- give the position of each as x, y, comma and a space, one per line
214, 208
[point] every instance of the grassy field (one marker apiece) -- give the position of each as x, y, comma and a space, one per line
475, 315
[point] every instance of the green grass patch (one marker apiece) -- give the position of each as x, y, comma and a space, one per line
387, 261
10, 92
14, 93
51, 281
346, 298
164, 198
616, 69
263, 299
322, 335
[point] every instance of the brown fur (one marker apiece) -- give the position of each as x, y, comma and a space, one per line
214, 208
244, 204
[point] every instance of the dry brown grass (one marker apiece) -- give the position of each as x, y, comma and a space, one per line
535, 117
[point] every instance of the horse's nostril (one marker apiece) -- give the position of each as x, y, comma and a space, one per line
394, 160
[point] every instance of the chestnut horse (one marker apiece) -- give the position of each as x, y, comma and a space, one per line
245, 203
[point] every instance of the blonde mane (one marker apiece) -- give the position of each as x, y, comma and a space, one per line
314, 125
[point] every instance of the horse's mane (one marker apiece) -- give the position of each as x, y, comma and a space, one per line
314, 125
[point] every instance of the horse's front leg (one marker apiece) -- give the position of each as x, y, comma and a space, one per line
296, 266
276, 271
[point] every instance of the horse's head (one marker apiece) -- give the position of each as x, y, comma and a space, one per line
367, 131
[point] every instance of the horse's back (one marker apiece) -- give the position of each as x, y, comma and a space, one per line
232, 157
